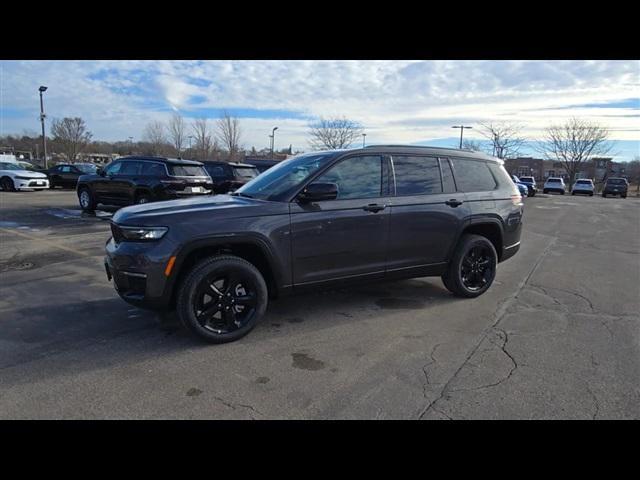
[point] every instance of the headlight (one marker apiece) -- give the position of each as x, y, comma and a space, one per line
143, 233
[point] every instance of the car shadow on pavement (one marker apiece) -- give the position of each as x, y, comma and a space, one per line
71, 338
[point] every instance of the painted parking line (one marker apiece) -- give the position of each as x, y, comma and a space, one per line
47, 242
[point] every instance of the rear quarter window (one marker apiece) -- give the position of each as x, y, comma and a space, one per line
474, 175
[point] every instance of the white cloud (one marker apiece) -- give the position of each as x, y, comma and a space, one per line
397, 101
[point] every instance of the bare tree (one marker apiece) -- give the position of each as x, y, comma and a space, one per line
575, 142
633, 172
155, 135
505, 138
71, 136
202, 135
177, 132
333, 133
229, 134
474, 145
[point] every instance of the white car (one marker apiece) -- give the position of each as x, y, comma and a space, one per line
554, 184
583, 185
14, 177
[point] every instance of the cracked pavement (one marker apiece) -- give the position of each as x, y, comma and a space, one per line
557, 335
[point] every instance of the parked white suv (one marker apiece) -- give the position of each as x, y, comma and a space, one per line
554, 184
584, 185
14, 177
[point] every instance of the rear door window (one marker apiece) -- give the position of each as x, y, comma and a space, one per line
130, 168
416, 175
473, 175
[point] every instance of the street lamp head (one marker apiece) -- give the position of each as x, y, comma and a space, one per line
43, 88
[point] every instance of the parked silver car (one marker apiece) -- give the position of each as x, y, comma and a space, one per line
584, 186
554, 184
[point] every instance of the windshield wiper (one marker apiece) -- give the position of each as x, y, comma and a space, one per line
240, 194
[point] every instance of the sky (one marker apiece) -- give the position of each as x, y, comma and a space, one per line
397, 102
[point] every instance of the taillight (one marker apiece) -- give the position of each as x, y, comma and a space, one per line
173, 184
516, 199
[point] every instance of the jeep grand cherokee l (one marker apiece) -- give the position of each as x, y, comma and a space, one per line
615, 186
316, 220
134, 180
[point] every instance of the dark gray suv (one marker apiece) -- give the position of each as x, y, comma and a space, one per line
316, 220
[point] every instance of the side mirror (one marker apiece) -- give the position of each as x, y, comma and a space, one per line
317, 192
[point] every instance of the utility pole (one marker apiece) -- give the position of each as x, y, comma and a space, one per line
461, 127
42, 117
273, 136
364, 135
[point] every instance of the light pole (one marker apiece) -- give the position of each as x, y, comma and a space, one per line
43, 89
364, 135
130, 145
461, 127
273, 137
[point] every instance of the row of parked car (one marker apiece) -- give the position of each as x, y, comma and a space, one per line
146, 176
584, 186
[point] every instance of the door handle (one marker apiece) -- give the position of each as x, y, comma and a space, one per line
453, 203
374, 207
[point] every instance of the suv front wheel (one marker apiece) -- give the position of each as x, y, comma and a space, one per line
87, 202
472, 268
222, 298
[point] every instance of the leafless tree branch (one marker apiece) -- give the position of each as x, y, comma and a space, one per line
71, 135
333, 133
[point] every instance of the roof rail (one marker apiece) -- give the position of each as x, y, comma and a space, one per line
423, 146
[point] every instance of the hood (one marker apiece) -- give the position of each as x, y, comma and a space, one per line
193, 209
25, 173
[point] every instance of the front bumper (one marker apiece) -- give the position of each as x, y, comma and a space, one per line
138, 272
31, 183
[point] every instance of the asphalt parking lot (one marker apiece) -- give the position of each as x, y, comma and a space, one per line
557, 336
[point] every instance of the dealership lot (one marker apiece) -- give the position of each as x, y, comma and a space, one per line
557, 336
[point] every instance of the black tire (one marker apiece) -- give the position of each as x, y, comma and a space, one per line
533, 194
623, 196
591, 194
573, 193
544, 191
222, 274
561, 193
142, 198
7, 184
52, 184
89, 203
461, 284
604, 195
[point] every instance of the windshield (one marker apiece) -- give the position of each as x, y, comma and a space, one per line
187, 171
10, 166
86, 168
246, 172
281, 180
583, 182
554, 180
526, 179
616, 181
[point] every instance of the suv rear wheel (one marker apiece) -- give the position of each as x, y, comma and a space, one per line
222, 298
472, 268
